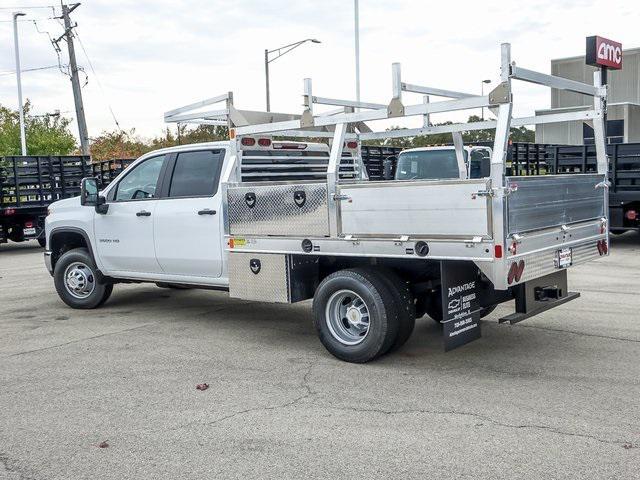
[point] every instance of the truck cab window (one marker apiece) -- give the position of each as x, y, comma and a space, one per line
428, 164
480, 163
196, 174
141, 181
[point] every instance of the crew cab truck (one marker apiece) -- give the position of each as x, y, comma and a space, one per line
275, 220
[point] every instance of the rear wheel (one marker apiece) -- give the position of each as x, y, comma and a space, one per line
404, 303
355, 315
76, 280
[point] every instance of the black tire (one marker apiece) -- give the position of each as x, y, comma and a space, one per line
86, 268
404, 302
42, 241
383, 316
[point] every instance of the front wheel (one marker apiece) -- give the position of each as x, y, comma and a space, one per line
355, 315
76, 280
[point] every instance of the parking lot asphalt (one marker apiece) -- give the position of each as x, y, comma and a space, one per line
557, 396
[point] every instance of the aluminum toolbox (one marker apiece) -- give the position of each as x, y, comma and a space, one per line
553, 200
272, 277
415, 208
279, 209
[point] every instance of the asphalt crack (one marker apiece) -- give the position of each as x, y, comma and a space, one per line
304, 384
624, 443
582, 334
79, 340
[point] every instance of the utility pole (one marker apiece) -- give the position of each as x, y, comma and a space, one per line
75, 81
23, 138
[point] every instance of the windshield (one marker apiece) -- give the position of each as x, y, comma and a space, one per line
428, 164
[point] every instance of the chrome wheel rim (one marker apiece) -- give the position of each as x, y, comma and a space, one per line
79, 280
347, 317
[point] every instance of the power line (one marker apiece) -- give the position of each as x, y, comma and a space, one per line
113, 115
29, 20
35, 69
55, 49
26, 7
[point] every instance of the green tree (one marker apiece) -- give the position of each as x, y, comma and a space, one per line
46, 134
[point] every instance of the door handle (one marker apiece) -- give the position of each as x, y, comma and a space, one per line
206, 211
143, 213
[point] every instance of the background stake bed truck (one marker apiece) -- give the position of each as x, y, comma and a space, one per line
284, 221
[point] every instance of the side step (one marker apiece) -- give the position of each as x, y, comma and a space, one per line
540, 307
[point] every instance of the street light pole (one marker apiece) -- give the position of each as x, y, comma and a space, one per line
280, 52
23, 138
266, 76
356, 12
482, 94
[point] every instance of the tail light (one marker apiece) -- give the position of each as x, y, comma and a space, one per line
290, 146
264, 142
631, 215
352, 144
512, 273
519, 270
603, 248
497, 251
9, 211
248, 141
515, 272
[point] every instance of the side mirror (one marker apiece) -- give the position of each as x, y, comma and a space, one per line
387, 167
90, 197
89, 192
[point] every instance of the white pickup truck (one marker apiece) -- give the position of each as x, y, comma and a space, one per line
286, 221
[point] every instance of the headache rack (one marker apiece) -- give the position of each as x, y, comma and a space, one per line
491, 221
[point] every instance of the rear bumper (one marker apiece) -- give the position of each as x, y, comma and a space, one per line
47, 262
539, 295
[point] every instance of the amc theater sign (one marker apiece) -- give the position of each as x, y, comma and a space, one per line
602, 52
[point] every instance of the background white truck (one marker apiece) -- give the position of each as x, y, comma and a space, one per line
283, 221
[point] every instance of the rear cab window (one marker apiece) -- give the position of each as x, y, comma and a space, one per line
428, 164
196, 173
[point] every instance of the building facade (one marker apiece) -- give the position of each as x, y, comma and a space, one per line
623, 113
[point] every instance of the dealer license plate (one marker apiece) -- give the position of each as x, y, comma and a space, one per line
564, 258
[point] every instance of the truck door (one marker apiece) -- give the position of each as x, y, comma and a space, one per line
124, 235
188, 220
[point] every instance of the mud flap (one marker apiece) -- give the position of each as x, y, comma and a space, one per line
460, 310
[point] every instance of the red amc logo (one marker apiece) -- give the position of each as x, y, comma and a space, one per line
602, 52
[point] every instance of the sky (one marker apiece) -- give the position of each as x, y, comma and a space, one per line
150, 56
